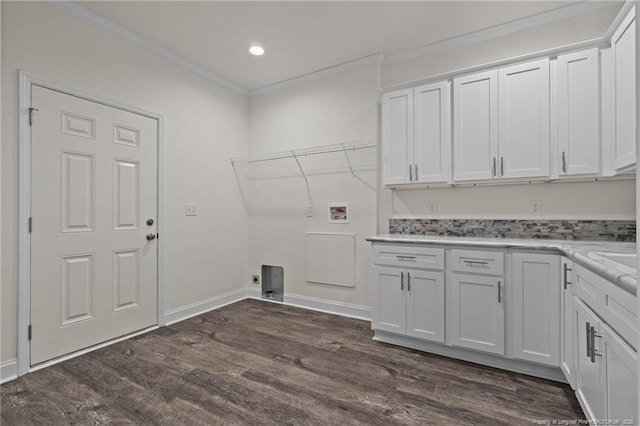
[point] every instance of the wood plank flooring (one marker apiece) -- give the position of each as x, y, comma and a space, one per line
262, 363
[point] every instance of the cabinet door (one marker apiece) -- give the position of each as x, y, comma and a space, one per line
477, 313
590, 372
397, 136
623, 44
432, 132
566, 321
578, 114
475, 120
425, 305
389, 300
621, 377
536, 307
523, 120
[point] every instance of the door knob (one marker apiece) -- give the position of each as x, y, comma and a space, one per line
149, 222
151, 237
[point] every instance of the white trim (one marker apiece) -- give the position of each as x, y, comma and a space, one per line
356, 64
328, 306
197, 308
522, 367
90, 349
8, 371
617, 21
26, 81
73, 8
521, 24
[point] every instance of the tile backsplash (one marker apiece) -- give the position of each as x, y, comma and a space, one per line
603, 230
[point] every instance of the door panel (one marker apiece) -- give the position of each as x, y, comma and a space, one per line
432, 132
397, 136
94, 182
566, 332
425, 305
621, 376
389, 300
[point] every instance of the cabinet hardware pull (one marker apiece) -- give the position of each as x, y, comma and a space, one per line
499, 292
475, 262
501, 166
412, 258
401, 281
493, 169
410, 173
594, 354
564, 163
408, 282
565, 270
588, 340
415, 171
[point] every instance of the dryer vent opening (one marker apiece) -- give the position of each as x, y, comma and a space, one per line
272, 282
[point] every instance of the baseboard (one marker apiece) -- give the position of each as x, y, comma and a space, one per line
8, 371
194, 309
523, 367
320, 305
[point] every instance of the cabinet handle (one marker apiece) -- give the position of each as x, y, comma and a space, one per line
589, 341
499, 292
493, 169
566, 269
410, 173
594, 354
401, 281
564, 163
415, 171
411, 258
475, 262
501, 166
409, 282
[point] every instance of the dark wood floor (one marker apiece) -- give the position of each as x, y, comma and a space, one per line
262, 363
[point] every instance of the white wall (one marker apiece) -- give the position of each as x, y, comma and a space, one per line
338, 109
595, 200
205, 125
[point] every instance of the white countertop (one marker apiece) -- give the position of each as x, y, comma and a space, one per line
581, 251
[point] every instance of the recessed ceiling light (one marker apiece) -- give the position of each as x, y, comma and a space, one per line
256, 50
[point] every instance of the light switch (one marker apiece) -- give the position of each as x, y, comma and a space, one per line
191, 209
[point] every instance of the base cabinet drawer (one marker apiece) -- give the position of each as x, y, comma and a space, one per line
620, 310
477, 262
408, 256
587, 286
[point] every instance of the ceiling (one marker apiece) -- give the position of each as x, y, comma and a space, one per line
301, 37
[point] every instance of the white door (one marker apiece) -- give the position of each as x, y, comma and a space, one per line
566, 320
523, 120
623, 44
536, 308
578, 113
397, 137
94, 186
389, 300
475, 121
621, 376
432, 132
425, 305
477, 313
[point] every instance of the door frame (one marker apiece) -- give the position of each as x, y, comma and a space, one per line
26, 82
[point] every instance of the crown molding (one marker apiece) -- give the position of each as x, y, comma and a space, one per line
617, 21
521, 24
376, 59
123, 33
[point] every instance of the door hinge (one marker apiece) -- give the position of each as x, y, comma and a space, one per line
30, 224
29, 331
31, 110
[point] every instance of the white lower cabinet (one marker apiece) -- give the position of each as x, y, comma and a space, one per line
410, 302
566, 321
607, 369
536, 308
477, 312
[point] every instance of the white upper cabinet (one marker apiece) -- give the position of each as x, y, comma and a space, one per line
523, 120
416, 135
578, 114
432, 120
475, 121
623, 143
397, 136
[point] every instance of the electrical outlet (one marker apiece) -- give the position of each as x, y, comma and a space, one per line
309, 210
535, 207
190, 209
432, 207
255, 279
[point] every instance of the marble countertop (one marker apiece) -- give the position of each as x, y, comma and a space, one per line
590, 254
